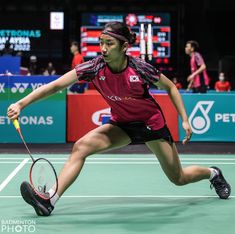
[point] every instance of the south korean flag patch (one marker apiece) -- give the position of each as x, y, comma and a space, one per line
134, 79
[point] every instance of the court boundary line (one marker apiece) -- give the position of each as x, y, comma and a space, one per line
137, 163
132, 159
12, 174
127, 196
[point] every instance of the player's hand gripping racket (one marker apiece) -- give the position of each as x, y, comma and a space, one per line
42, 174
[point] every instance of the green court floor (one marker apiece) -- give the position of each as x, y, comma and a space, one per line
120, 194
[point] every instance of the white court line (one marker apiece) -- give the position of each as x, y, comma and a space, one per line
137, 159
135, 163
149, 163
153, 159
131, 196
13, 173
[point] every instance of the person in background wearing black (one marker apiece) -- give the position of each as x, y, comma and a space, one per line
7, 50
50, 70
33, 67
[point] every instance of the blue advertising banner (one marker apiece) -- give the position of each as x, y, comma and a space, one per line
212, 116
41, 122
10, 64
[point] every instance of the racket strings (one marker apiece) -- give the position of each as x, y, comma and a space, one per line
43, 177
42, 189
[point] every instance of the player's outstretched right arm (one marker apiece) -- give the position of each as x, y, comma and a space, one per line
67, 79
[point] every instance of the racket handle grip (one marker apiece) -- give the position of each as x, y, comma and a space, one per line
16, 124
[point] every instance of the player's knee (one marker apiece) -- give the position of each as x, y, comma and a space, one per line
179, 181
80, 149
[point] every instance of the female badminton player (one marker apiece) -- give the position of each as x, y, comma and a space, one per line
123, 82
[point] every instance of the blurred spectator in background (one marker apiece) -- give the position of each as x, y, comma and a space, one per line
24, 71
19, 53
222, 85
80, 86
50, 70
33, 68
7, 49
198, 80
177, 83
77, 57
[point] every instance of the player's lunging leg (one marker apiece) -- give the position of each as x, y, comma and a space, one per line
102, 138
168, 157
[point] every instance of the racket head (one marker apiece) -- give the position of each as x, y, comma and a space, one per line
43, 177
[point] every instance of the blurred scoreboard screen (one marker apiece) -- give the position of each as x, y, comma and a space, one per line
30, 34
92, 24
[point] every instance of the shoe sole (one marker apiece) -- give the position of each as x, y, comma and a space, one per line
26, 192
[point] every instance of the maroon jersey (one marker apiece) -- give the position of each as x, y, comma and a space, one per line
127, 92
201, 79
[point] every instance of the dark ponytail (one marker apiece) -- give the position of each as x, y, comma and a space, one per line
132, 38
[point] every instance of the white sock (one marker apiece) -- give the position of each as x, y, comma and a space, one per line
214, 173
55, 198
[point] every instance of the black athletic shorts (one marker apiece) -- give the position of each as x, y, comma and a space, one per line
140, 133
